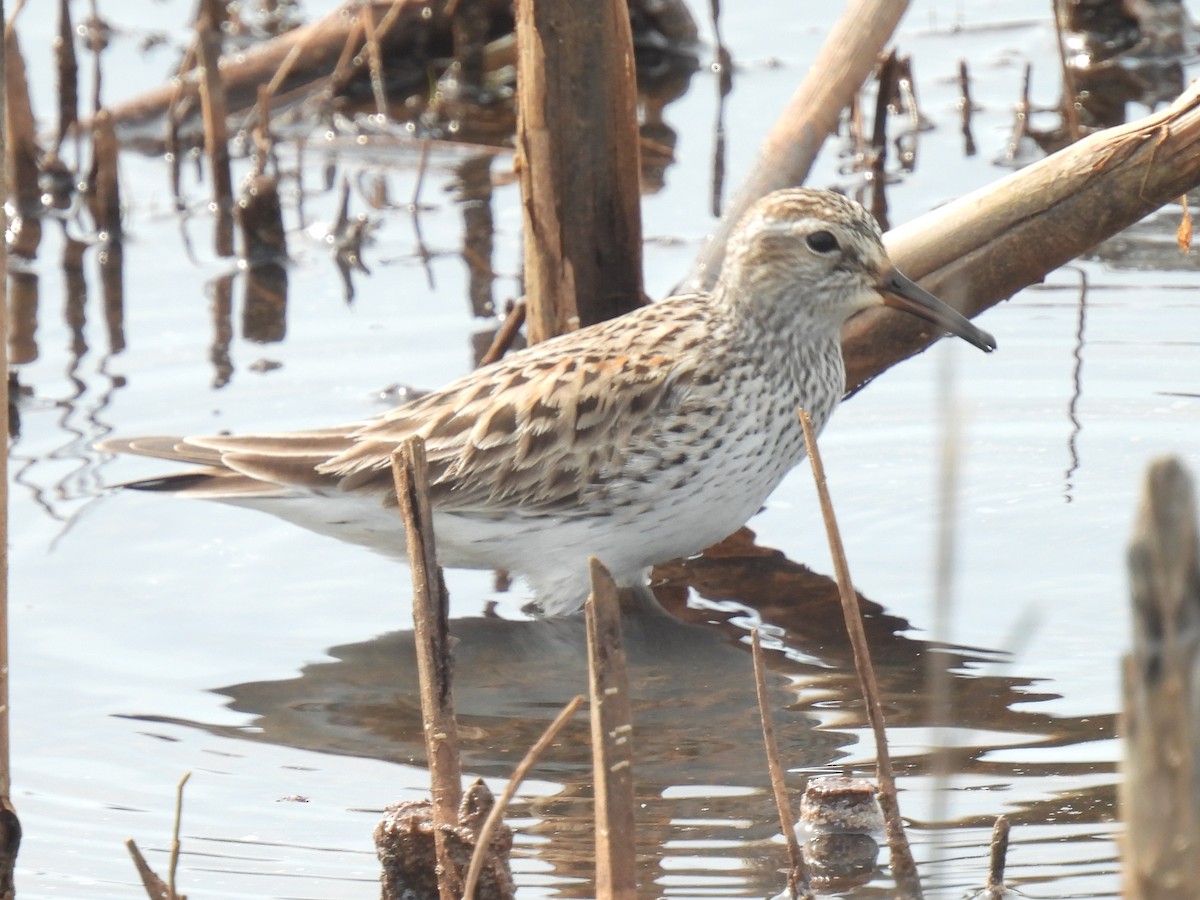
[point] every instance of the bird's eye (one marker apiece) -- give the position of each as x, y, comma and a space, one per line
821, 242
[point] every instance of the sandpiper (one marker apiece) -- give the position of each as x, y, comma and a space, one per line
637, 440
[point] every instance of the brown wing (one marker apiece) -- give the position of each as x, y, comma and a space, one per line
532, 431
541, 427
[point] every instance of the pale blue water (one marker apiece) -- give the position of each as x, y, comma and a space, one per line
130, 612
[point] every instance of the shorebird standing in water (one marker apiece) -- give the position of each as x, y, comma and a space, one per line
637, 440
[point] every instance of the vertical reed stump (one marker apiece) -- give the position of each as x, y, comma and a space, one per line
577, 145
10, 825
612, 748
431, 628
1160, 791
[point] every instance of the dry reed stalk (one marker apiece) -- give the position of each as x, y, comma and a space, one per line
612, 746
505, 335
997, 858
156, 888
216, 136
410, 469
484, 838
904, 868
580, 175
966, 107
10, 825
798, 877
173, 865
846, 59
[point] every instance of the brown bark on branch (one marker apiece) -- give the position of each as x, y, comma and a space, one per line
988, 245
577, 144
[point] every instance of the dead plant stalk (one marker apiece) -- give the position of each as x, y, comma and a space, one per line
798, 877
410, 470
904, 868
484, 839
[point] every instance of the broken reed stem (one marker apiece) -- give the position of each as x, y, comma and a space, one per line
967, 108
904, 868
612, 749
410, 470
483, 839
156, 888
798, 877
505, 335
997, 859
174, 863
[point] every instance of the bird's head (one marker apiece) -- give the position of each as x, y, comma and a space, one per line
819, 256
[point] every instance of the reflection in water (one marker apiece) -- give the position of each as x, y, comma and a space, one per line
75, 482
704, 805
221, 305
474, 187
264, 304
22, 316
1076, 391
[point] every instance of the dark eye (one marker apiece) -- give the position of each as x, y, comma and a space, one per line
821, 242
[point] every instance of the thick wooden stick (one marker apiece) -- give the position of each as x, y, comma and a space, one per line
579, 172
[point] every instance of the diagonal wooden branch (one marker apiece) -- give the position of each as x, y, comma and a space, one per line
986, 246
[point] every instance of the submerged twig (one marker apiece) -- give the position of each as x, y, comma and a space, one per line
484, 838
904, 868
798, 877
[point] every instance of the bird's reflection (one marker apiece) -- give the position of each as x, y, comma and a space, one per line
699, 764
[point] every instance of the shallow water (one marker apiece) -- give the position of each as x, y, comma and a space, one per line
153, 636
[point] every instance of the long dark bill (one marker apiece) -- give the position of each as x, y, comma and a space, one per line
900, 292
